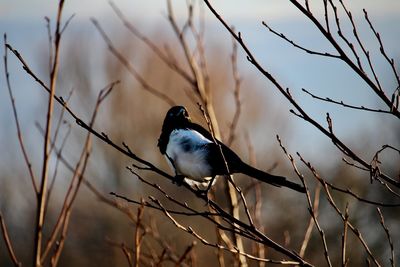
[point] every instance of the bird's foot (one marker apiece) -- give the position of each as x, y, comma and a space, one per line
178, 179
203, 193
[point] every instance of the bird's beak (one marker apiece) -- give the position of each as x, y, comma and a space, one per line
181, 112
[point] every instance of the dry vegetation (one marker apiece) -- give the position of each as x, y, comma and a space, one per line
349, 216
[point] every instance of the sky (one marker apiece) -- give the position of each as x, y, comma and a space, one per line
23, 21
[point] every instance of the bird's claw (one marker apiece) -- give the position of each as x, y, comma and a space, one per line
178, 180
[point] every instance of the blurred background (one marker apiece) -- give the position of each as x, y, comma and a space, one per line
132, 115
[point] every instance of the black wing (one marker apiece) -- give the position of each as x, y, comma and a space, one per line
214, 157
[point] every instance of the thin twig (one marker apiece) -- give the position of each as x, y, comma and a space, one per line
77, 177
309, 51
307, 235
310, 205
341, 103
185, 253
19, 133
172, 64
344, 235
205, 242
102, 136
7, 240
129, 66
42, 194
381, 48
251, 58
236, 94
331, 201
138, 238
389, 237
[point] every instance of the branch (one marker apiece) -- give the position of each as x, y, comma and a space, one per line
124, 150
157, 93
236, 94
341, 103
19, 133
307, 235
344, 235
205, 242
288, 96
153, 47
380, 93
310, 205
309, 51
331, 201
42, 193
75, 183
389, 238
7, 240
381, 48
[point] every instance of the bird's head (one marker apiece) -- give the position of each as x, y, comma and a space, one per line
177, 116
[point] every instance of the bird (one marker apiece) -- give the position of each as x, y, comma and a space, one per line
193, 153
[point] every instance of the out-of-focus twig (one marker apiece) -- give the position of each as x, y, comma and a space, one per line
307, 235
42, 193
344, 236
147, 87
389, 237
236, 93
331, 201
19, 133
172, 64
138, 236
185, 253
311, 207
7, 240
205, 242
76, 180
381, 48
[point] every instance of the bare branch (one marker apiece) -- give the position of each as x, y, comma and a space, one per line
381, 48
205, 242
236, 94
309, 51
389, 238
19, 133
7, 240
356, 232
157, 93
310, 205
307, 235
344, 236
341, 103
172, 64
302, 114
42, 193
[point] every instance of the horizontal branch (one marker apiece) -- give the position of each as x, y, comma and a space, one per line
341, 103
309, 51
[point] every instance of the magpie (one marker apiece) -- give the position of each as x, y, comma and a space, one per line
191, 152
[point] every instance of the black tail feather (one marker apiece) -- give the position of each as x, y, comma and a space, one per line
269, 178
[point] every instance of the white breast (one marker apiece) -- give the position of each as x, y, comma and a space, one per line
185, 149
